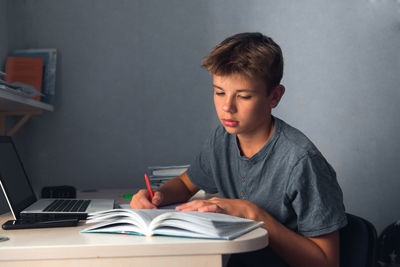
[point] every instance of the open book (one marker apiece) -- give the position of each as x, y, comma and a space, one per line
170, 223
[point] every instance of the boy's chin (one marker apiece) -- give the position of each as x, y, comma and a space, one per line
231, 130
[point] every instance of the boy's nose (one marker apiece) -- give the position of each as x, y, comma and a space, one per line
229, 105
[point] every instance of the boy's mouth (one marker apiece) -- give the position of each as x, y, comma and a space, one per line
230, 123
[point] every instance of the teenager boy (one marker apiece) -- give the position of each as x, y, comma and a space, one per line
262, 168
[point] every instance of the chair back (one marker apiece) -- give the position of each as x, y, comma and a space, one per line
389, 245
358, 243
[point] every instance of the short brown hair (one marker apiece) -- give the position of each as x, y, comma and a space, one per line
251, 54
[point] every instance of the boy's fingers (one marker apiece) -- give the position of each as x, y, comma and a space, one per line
209, 208
198, 205
189, 206
157, 198
210, 205
141, 201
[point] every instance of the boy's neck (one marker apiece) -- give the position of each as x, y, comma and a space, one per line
249, 145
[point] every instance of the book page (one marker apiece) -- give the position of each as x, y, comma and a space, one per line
139, 219
205, 224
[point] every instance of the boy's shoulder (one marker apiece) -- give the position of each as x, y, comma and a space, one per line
220, 137
294, 140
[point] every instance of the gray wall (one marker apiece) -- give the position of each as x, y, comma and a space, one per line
3, 31
130, 92
3, 53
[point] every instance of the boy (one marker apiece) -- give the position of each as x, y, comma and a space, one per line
262, 168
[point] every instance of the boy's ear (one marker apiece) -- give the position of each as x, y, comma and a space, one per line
277, 94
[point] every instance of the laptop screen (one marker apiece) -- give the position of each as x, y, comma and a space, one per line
14, 182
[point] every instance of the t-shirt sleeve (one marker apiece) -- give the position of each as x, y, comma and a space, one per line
200, 170
316, 197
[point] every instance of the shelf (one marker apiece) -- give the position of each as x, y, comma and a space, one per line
15, 105
9, 102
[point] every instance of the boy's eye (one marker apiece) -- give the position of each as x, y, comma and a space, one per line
245, 96
219, 93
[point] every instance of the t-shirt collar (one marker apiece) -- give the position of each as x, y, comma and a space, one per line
261, 153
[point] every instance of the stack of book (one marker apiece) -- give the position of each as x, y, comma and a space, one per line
158, 175
31, 73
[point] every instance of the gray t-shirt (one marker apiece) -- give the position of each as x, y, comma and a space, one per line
289, 178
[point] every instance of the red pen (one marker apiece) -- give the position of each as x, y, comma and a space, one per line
148, 186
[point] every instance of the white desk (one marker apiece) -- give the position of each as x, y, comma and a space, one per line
68, 247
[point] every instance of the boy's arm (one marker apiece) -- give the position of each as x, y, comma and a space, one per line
298, 250
295, 249
176, 190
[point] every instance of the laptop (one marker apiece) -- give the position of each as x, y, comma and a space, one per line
21, 198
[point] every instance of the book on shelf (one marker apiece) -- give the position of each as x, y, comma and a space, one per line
158, 175
49, 56
166, 171
157, 181
169, 223
21, 89
26, 70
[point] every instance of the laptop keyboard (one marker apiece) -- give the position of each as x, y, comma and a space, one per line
68, 205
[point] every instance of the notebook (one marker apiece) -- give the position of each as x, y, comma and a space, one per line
21, 198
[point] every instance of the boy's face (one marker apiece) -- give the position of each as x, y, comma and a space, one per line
242, 104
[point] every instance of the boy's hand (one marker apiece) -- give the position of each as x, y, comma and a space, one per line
235, 207
141, 200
